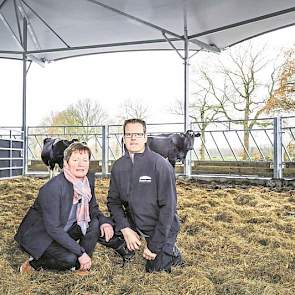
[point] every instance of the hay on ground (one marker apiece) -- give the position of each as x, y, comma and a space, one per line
234, 241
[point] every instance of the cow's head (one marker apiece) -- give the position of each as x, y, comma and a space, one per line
184, 142
66, 142
47, 139
189, 140
60, 146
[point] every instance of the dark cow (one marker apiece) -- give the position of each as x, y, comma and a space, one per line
53, 151
173, 146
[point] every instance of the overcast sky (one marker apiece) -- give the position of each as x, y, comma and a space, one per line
154, 77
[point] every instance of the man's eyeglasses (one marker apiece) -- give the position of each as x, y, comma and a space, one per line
135, 135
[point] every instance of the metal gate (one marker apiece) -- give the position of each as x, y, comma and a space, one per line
11, 153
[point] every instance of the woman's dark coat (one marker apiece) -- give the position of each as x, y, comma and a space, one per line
46, 219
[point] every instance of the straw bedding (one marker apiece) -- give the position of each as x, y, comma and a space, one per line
234, 240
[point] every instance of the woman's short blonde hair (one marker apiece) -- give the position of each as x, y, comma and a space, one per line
76, 146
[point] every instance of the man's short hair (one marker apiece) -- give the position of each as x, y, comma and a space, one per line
76, 146
133, 121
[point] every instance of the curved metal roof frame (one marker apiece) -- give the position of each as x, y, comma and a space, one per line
59, 29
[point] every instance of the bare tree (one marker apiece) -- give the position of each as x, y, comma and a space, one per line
133, 109
89, 115
248, 81
202, 110
86, 114
240, 85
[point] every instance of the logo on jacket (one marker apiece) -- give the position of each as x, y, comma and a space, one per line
145, 179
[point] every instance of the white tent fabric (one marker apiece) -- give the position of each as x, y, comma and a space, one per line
64, 28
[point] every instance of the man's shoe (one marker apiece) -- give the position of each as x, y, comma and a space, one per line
26, 267
177, 261
177, 258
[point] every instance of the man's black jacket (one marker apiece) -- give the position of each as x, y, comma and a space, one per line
142, 194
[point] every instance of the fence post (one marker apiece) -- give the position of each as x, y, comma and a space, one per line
105, 147
277, 156
10, 154
188, 165
25, 150
188, 161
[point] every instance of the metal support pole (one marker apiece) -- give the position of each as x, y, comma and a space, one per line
186, 85
105, 148
187, 164
278, 156
24, 114
186, 88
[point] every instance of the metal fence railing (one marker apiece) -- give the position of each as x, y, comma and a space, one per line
266, 149
269, 143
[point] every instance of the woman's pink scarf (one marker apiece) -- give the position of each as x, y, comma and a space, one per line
81, 192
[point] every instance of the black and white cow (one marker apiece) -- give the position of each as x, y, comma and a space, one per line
173, 146
53, 151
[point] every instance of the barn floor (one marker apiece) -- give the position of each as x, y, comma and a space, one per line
235, 240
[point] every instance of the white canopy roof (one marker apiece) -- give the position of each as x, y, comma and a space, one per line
64, 28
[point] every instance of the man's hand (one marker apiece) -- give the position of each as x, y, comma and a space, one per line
85, 262
148, 254
107, 231
131, 238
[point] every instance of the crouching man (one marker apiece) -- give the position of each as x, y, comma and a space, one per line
65, 212
142, 200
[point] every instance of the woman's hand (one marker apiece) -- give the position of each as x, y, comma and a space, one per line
85, 261
107, 231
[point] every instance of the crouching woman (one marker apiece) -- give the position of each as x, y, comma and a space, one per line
64, 212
